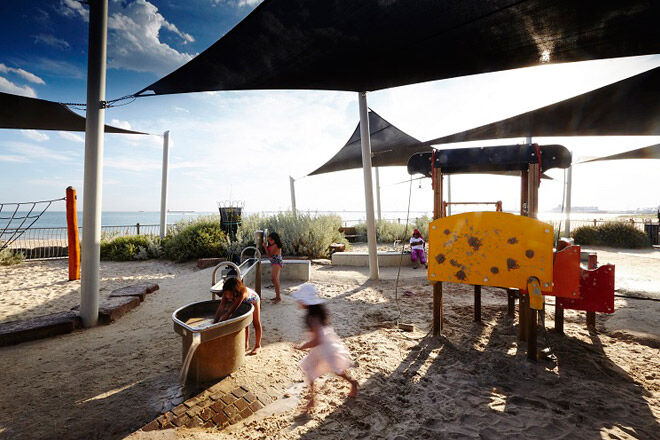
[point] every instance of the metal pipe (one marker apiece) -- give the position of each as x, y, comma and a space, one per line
163, 184
448, 194
378, 194
365, 139
292, 185
93, 175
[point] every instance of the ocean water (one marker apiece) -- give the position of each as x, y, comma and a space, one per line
57, 219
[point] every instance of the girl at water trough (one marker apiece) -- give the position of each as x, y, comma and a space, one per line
417, 248
328, 354
234, 292
274, 253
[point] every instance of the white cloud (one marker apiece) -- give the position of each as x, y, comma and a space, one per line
38, 153
249, 3
73, 8
71, 136
134, 37
30, 77
9, 87
35, 135
12, 158
52, 41
62, 68
121, 124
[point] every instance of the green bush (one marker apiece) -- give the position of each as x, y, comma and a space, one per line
613, 234
8, 257
389, 231
302, 234
199, 238
137, 247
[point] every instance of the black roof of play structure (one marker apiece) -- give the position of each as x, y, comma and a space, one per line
490, 159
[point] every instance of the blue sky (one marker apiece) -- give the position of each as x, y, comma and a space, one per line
244, 145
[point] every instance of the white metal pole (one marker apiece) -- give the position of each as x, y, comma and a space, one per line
448, 194
292, 185
377, 193
93, 176
365, 139
163, 184
567, 208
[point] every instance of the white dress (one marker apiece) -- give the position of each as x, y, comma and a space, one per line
330, 356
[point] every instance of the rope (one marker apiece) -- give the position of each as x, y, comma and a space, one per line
20, 229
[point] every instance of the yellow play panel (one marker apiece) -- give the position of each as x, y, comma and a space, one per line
490, 249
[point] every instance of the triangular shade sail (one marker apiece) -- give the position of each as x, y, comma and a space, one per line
389, 146
650, 152
20, 112
375, 44
627, 107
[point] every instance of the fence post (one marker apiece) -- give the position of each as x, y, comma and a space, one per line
72, 234
138, 228
594, 222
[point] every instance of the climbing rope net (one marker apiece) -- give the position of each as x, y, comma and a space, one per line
17, 218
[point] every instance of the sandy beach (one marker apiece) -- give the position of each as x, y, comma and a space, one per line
473, 382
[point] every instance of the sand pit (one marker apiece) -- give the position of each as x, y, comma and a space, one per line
474, 382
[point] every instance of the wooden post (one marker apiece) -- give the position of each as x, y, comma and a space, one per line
559, 317
523, 306
72, 234
592, 263
477, 303
437, 309
436, 174
531, 333
511, 303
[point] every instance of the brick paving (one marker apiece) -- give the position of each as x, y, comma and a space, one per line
221, 405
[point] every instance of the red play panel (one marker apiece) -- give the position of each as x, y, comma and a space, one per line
566, 273
596, 291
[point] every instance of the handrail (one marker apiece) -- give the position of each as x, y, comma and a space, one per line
222, 264
257, 253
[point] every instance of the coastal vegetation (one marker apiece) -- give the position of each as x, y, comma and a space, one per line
302, 235
8, 257
388, 231
613, 234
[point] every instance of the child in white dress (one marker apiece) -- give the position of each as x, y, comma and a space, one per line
328, 354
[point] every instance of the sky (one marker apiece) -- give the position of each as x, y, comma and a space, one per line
243, 146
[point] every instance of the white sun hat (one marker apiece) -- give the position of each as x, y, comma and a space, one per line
308, 295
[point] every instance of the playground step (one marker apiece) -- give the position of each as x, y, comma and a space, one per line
15, 332
138, 290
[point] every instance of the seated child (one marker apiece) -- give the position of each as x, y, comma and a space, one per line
417, 249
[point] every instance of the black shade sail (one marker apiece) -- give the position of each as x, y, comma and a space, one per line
389, 146
20, 112
364, 45
650, 152
627, 107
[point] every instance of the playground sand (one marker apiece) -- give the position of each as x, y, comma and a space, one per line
474, 382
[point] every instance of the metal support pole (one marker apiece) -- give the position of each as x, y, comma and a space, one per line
163, 184
567, 208
292, 186
533, 206
378, 194
511, 303
365, 139
93, 175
